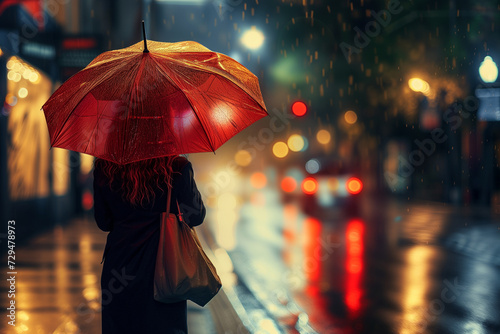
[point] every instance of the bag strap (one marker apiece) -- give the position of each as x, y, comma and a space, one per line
169, 191
169, 196
179, 212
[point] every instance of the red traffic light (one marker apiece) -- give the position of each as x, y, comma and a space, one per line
299, 108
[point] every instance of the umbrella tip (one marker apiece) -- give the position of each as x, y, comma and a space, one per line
144, 38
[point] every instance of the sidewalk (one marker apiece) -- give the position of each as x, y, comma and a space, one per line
58, 286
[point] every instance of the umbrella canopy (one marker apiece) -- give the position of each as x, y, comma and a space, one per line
133, 104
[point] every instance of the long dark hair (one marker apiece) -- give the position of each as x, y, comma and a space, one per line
139, 178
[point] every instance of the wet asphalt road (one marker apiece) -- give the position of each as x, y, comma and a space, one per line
393, 268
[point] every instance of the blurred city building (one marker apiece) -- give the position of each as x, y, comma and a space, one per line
409, 130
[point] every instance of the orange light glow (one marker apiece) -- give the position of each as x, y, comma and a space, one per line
310, 185
258, 180
354, 185
299, 108
350, 117
312, 252
288, 184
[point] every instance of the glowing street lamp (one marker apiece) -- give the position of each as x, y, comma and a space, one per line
419, 85
252, 38
488, 71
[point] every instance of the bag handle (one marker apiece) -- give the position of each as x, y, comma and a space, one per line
169, 196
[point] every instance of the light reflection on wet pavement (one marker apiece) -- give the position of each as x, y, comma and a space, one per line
58, 284
396, 268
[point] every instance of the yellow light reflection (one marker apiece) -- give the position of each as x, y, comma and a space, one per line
91, 291
60, 170
86, 163
296, 143
28, 155
280, 149
22, 328
415, 286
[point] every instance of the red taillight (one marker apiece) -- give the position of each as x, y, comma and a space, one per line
354, 185
309, 185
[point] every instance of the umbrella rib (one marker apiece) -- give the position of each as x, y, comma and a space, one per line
187, 99
76, 105
199, 120
139, 71
99, 116
196, 66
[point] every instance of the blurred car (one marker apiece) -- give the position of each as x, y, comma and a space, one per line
322, 186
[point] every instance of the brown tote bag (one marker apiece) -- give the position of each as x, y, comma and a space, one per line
183, 271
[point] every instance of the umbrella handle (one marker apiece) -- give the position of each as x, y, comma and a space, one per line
144, 37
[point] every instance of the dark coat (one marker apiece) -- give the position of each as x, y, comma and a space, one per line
129, 257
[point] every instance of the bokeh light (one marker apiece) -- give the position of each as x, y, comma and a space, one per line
354, 185
419, 85
488, 70
34, 77
350, 117
258, 180
11, 99
313, 166
299, 108
252, 38
309, 185
323, 137
280, 149
288, 184
22, 93
296, 143
243, 158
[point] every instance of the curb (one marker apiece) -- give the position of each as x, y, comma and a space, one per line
228, 313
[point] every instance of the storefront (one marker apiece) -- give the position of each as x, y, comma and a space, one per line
39, 185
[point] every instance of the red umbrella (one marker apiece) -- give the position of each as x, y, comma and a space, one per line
134, 104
